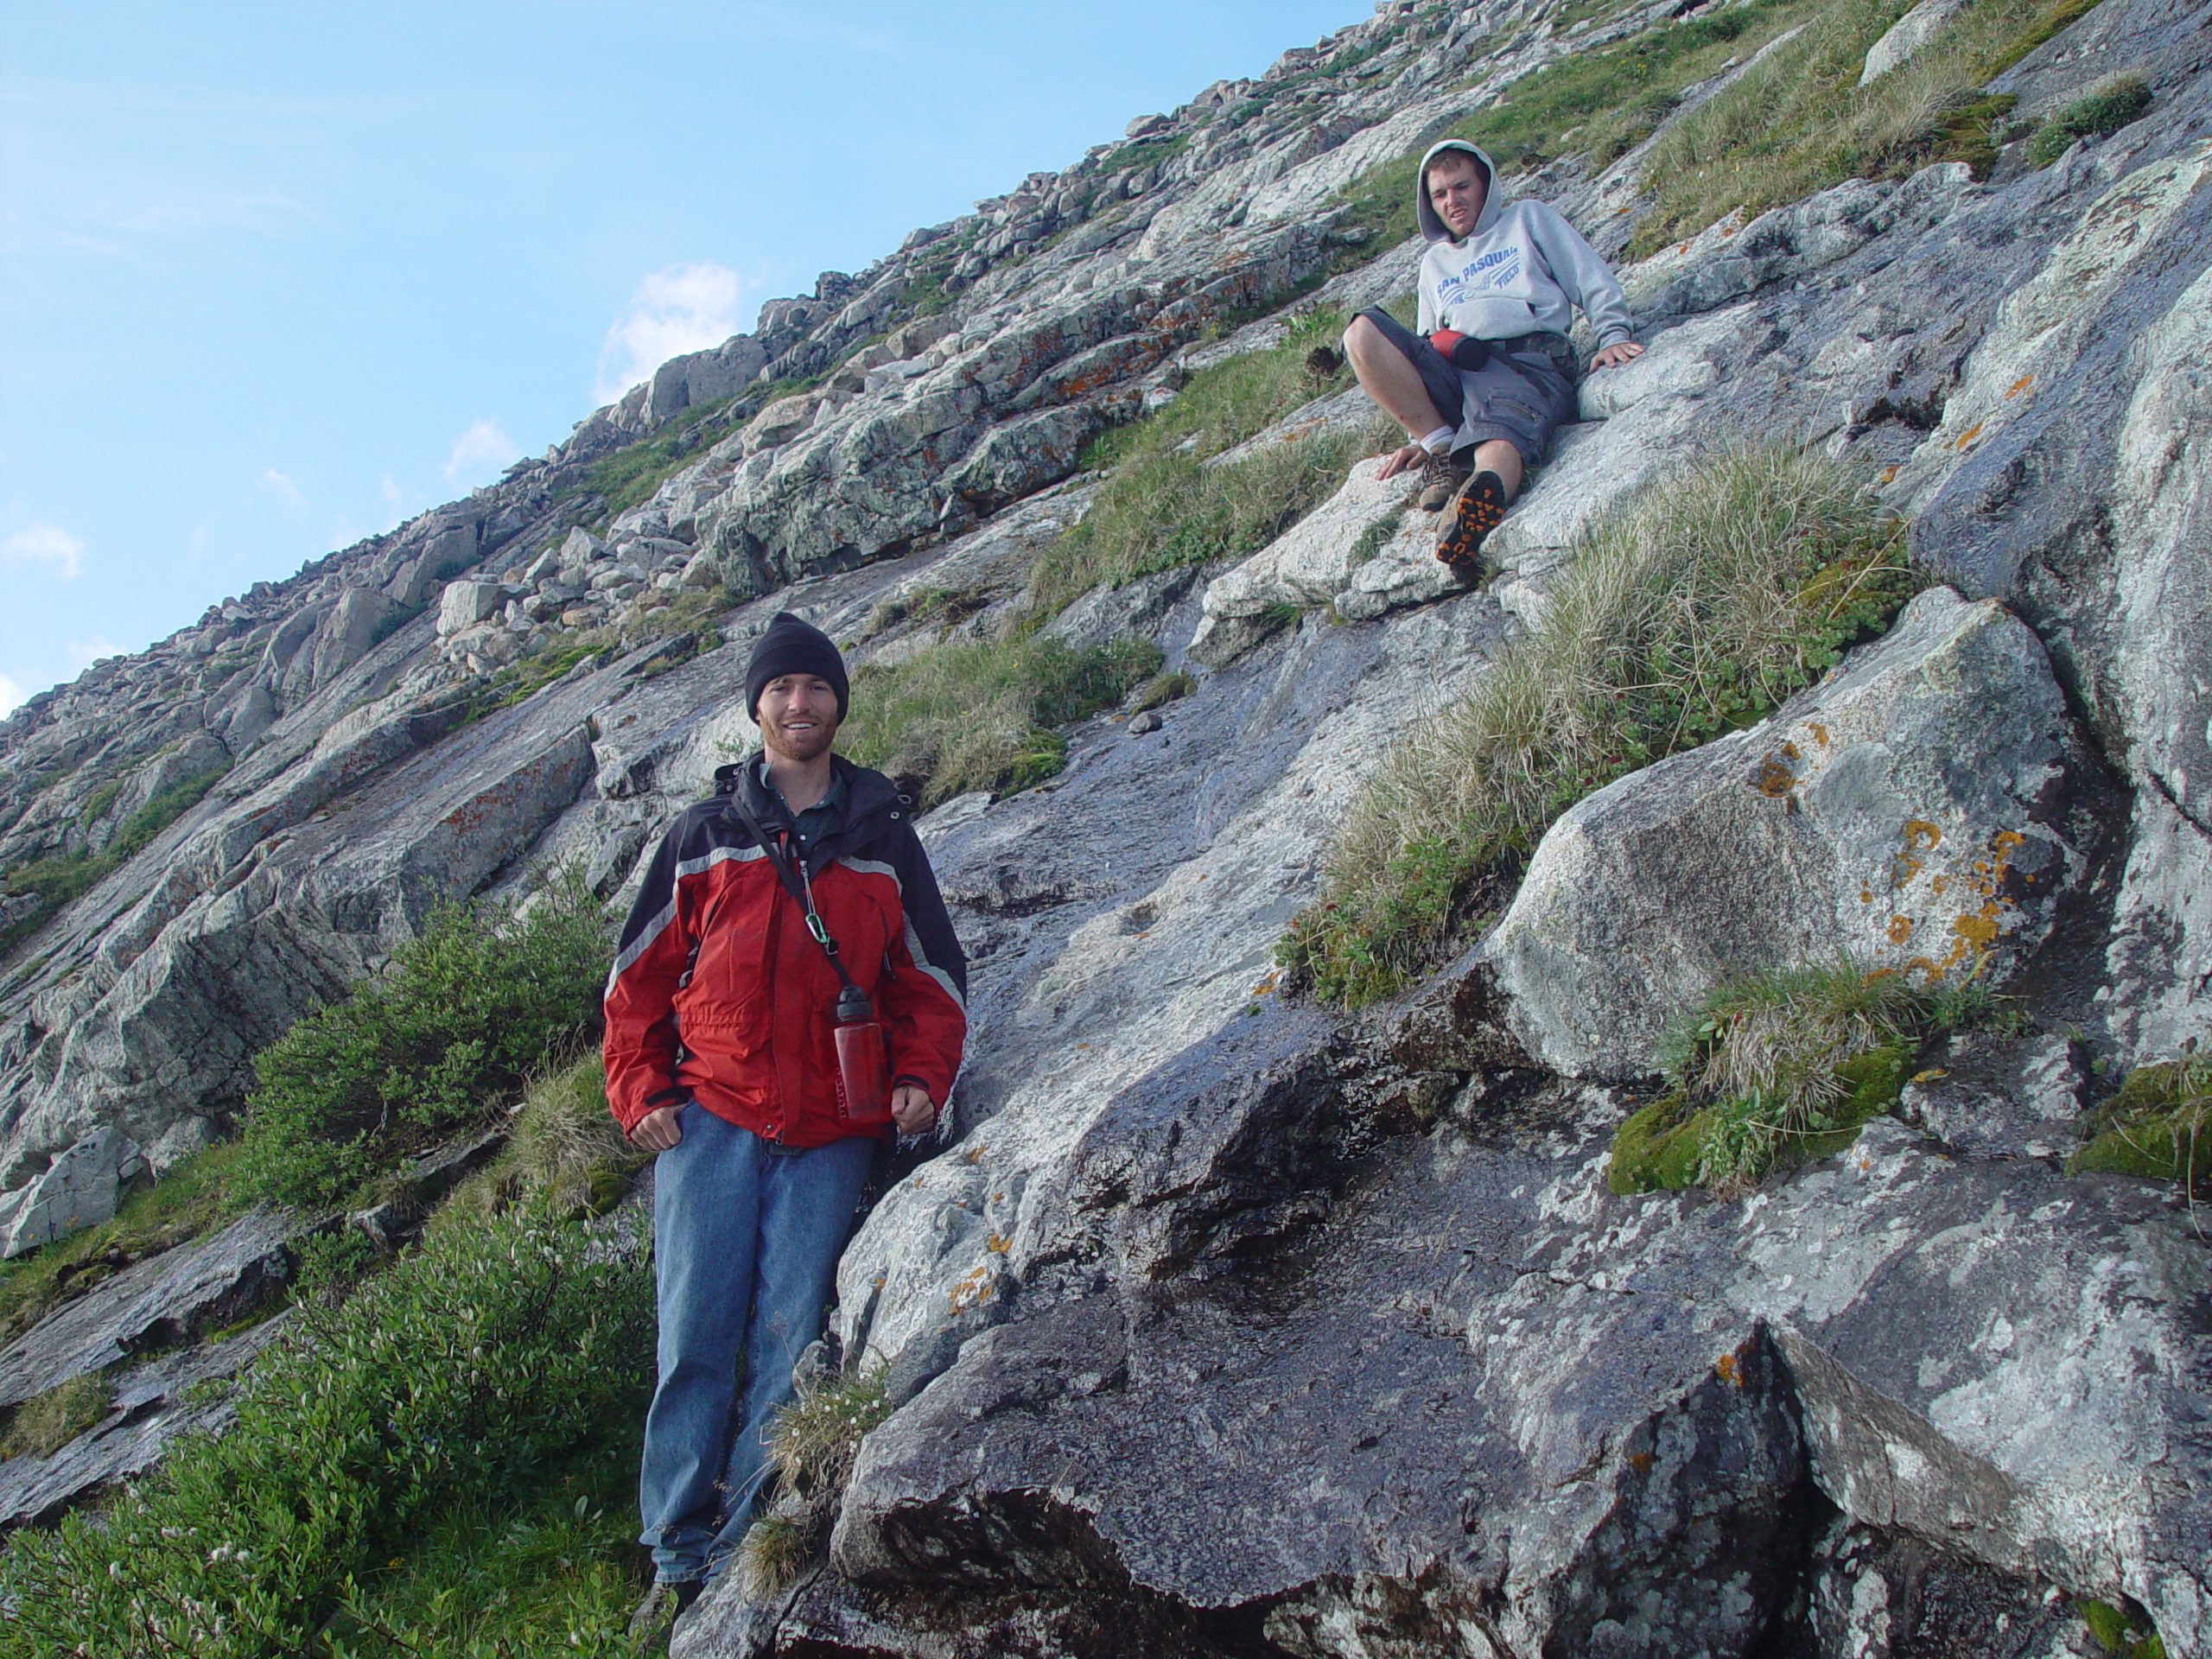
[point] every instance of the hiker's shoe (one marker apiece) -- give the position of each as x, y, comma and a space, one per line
1441, 479
664, 1604
1474, 512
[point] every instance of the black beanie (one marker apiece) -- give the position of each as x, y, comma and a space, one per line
791, 646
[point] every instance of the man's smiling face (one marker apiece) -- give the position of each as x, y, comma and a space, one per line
797, 714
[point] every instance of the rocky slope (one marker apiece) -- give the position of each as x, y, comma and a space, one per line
1229, 1326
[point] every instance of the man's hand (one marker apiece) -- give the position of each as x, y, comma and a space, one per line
1619, 351
657, 1130
1402, 461
912, 1108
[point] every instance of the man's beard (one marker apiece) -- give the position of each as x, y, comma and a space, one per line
801, 747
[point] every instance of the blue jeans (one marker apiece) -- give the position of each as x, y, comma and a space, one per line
746, 1240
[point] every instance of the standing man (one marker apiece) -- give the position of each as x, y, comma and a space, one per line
1489, 373
801, 875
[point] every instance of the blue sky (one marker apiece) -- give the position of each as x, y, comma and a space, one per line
273, 277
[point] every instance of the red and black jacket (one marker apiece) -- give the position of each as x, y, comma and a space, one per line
719, 994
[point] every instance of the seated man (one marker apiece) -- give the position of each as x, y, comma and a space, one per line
1480, 395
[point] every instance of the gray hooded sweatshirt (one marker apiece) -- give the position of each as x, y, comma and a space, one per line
1521, 270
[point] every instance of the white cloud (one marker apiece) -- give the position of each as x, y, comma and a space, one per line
683, 308
283, 488
480, 454
47, 544
11, 697
86, 652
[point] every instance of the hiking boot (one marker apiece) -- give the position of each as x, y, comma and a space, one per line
1441, 479
1474, 512
664, 1605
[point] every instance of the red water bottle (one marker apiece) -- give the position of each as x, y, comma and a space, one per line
863, 1063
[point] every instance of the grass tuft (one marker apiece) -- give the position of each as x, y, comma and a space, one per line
2159, 1126
964, 715
2104, 109
1162, 505
45, 1423
815, 1438
774, 1551
1735, 584
1161, 689
566, 1145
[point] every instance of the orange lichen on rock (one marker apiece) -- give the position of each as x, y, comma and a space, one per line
1900, 928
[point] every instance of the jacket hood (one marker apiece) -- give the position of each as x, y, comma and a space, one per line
1431, 228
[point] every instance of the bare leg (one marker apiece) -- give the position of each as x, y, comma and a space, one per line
1392, 382
1496, 455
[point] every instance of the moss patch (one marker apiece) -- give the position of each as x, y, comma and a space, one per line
1777, 1068
2159, 1126
2122, 1634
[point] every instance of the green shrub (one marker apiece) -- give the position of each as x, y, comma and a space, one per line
1728, 588
55, 881
1776, 1068
977, 714
2159, 1125
543, 1571
2104, 109
443, 1039
58, 879
456, 1376
1799, 121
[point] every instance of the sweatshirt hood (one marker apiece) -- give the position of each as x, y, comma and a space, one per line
1432, 228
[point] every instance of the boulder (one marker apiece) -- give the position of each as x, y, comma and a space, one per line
778, 422
79, 1189
1305, 567
1922, 809
469, 604
1907, 36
